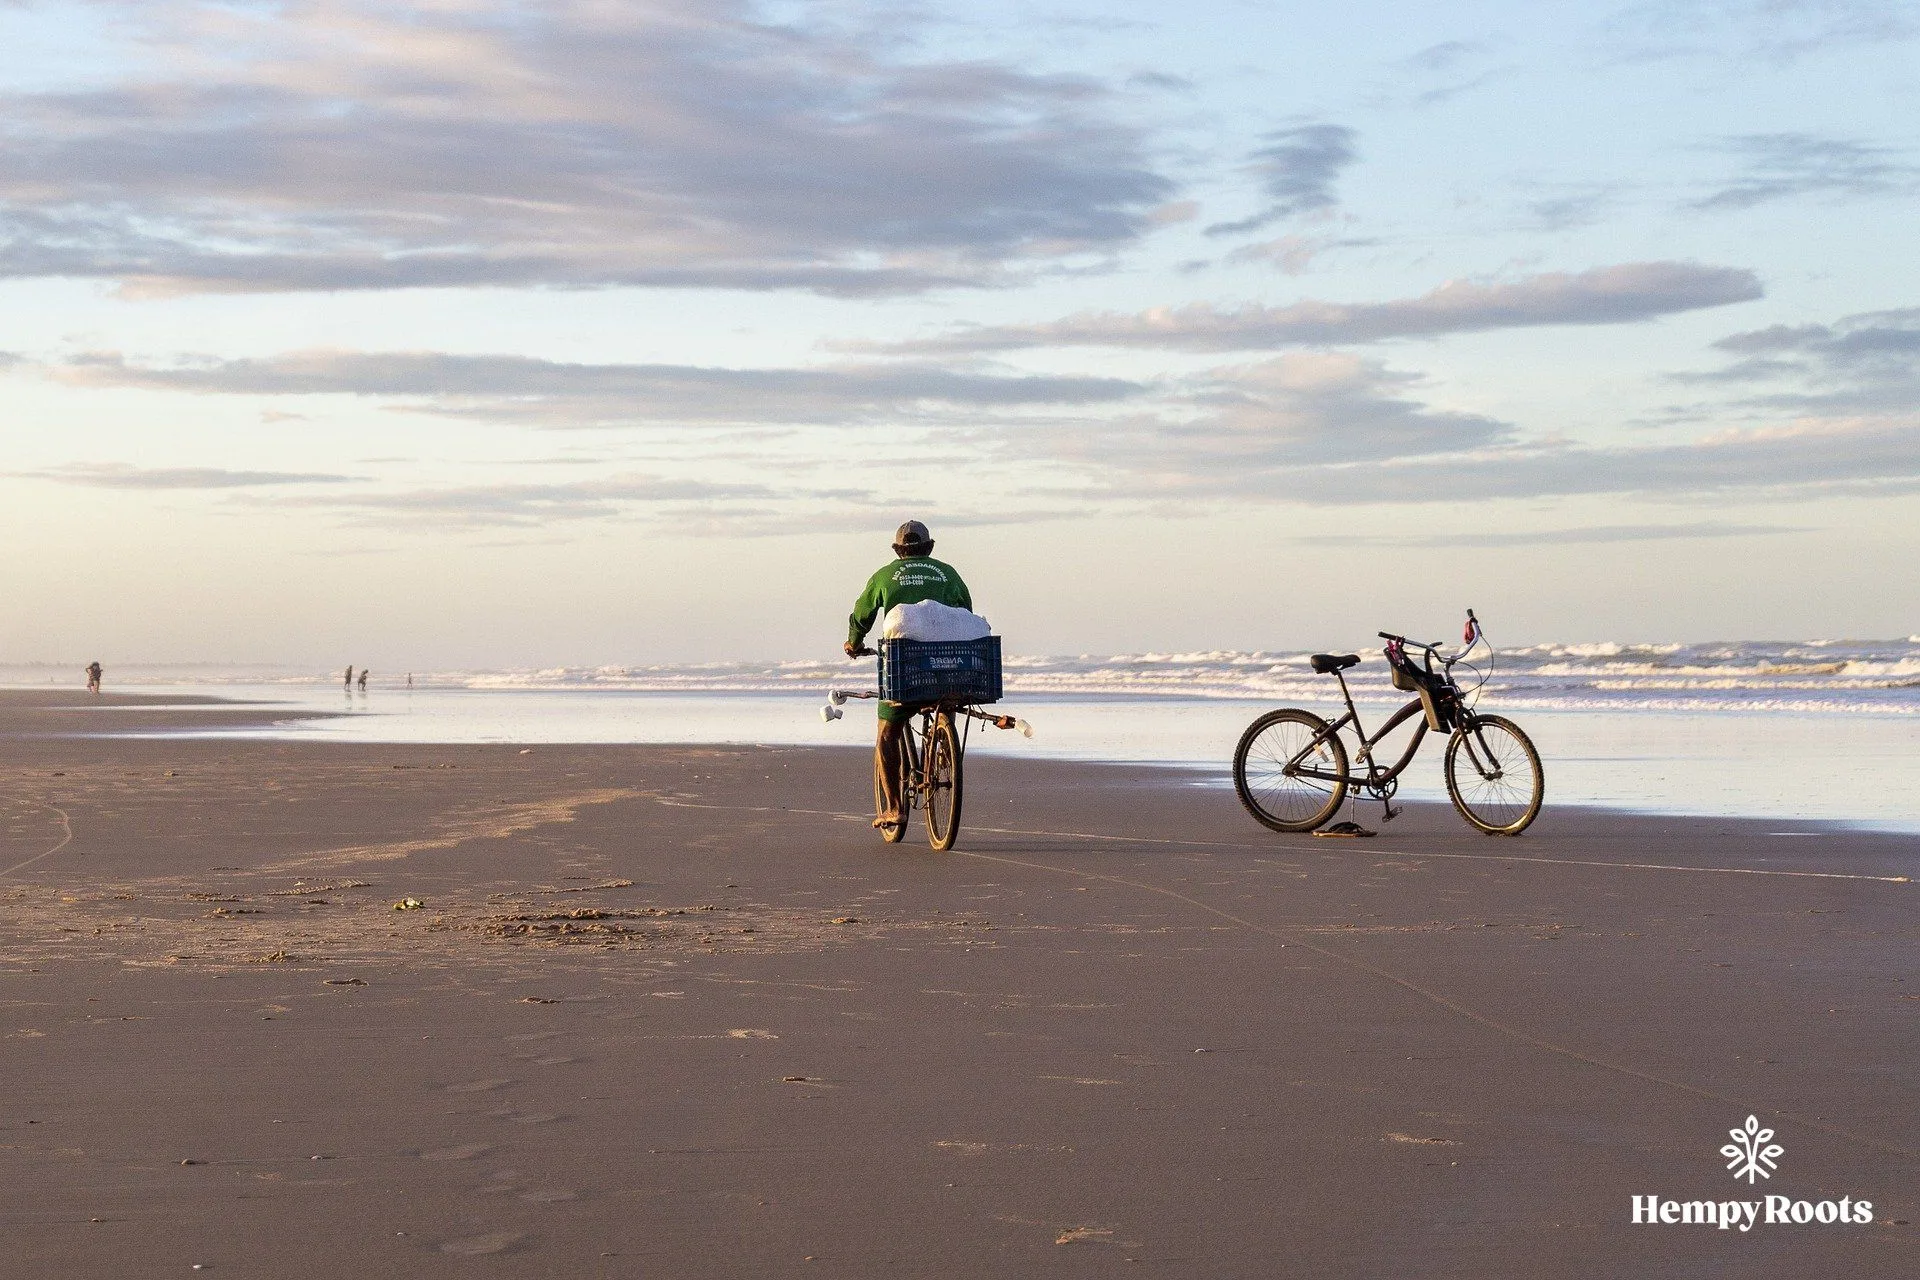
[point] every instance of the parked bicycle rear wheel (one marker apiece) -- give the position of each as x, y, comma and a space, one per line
1494, 775
894, 832
1275, 797
943, 782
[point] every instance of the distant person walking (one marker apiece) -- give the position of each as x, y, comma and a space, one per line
363, 679
94, 672
409, 679
349, 679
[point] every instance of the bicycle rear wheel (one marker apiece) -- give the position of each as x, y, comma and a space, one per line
1275, 797
943, 783
1494, 775
895, 832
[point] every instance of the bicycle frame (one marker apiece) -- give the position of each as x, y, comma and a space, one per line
912, 743
1375, 777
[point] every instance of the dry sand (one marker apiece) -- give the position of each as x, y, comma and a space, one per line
677, 1012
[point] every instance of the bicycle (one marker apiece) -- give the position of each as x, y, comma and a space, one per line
1291, 769
932, 762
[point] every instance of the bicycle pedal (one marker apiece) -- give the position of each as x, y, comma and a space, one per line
1388, 813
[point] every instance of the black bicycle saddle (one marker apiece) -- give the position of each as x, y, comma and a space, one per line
1325, 663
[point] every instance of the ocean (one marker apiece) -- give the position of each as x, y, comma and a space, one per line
1784, 730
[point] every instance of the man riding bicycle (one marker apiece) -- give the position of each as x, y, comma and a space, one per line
913, 576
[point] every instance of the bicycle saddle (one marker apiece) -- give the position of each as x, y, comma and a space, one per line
1326, 663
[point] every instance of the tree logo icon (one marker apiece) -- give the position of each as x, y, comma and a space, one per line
1753, 1152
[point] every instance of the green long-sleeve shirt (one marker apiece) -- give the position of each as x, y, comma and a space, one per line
906, 581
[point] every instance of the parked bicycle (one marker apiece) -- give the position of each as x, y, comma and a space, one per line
946, 681
1291, 767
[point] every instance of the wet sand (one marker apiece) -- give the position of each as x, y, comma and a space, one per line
677, 1012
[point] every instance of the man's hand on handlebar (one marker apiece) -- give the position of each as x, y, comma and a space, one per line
856, 650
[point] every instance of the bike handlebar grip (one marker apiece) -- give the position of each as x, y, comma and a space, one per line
1388, 635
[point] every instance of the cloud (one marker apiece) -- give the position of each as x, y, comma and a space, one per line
1775, 31
1443, 57
1816, 457
1297, 169
120, 475
1860, 364
1244, 428
1808, 460
523, 505
1605, 295
1565, 207
1780, 166
1591, 534
546, 392
687, 507
355, 144
1337, 429
1293, 254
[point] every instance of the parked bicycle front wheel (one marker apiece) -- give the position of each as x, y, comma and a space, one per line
1277, 795
1494, 775
943, 783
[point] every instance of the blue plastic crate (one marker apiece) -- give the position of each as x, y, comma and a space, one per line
940, 670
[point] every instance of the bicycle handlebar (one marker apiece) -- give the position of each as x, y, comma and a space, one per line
837, 698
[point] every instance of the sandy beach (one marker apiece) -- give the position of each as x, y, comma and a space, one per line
675, 1011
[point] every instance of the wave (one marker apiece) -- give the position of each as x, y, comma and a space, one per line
1816, 676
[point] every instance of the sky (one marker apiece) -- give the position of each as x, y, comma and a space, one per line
480, 333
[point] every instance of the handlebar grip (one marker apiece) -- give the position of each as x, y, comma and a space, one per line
1388, 635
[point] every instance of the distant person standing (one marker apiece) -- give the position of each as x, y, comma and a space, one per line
94, 672
409, 679
363, 679
349, 681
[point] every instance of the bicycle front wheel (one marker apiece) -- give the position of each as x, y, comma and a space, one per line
1268, 782
1494, 775
943, 783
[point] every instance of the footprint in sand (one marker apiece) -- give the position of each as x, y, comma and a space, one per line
465, 1151
475, 1246
477, 1086
522, 1117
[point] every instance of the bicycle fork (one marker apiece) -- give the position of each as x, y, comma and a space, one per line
1489, 772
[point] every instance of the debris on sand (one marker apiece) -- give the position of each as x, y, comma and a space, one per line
303, 889
408, 904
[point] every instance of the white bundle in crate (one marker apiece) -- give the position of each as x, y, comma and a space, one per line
931, 620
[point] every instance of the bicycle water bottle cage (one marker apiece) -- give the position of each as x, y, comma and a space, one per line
1328, 663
